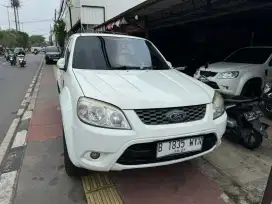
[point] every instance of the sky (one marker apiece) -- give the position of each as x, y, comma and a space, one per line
31, 10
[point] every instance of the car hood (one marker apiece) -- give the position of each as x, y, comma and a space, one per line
227, 66
138, 89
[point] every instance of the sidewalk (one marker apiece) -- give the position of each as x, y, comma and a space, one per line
43, 180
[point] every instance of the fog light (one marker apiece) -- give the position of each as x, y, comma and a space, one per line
95, 155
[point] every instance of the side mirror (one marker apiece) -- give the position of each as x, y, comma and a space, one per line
169, 64
206, 65
61, 64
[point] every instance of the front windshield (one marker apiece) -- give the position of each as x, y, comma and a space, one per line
250, 55
18, 50
97, 52
52, 49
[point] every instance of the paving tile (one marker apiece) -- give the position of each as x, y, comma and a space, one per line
46, 114
41, 133
175, 184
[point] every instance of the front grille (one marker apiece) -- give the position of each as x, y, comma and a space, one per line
208, 73
158, 116
145, 153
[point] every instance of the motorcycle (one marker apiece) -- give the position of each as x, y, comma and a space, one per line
267, 100
12, 60
243, 123
21, 59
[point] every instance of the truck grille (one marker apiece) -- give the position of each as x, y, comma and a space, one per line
159, 116
208, 73
145, 153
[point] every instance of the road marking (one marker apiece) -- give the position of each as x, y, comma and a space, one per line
20, 139
20, 112
27, 95
4, 145
99, 189
7, 181
27, 115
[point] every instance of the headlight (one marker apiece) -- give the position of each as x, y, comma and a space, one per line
267, 88
100, 114
228, 75
218, 105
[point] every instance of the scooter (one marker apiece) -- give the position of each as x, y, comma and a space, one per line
21, 59
12, 60
243, 123
266, 103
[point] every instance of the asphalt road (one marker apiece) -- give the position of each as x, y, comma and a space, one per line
14, 82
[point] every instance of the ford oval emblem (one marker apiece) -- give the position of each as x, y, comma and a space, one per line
176, 116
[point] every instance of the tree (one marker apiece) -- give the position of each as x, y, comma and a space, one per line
60, 33
36, 40
23, 39
12, 38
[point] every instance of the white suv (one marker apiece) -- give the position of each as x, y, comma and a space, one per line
123, 106
242, 73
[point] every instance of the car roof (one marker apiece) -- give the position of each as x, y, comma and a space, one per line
105, 35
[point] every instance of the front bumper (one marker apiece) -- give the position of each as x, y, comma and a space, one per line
113, 145
225, 86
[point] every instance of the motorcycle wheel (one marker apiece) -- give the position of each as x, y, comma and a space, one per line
267, 110
251, 139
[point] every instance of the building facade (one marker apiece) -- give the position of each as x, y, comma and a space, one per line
83, 15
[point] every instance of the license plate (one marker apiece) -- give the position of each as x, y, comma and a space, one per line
55, 60
179, 146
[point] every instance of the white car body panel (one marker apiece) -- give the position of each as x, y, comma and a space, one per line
246, 72
129, 90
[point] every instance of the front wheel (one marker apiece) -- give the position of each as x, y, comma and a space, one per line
70, 168
252, 139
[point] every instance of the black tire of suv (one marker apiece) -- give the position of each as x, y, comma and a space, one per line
70, 168
46, 61
251, 88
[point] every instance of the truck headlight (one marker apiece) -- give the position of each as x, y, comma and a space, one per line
101, 114
228, 75
218, 105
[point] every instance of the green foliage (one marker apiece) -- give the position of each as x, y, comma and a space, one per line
12, 38
60, 33
36, 40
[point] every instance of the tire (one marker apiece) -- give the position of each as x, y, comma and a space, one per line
267, 110
46, 62
251, 88
70, 168
258, 139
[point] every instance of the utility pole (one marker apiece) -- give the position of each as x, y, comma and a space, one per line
69, 4
22, 27
18, 18
15, 4
8, 14
55, 18
15, 16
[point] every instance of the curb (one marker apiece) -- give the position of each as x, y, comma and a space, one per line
13, 146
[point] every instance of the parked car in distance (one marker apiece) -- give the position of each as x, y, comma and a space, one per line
52, 54
17, 50
124, 107
242, 73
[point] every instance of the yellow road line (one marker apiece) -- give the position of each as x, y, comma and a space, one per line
99, 189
